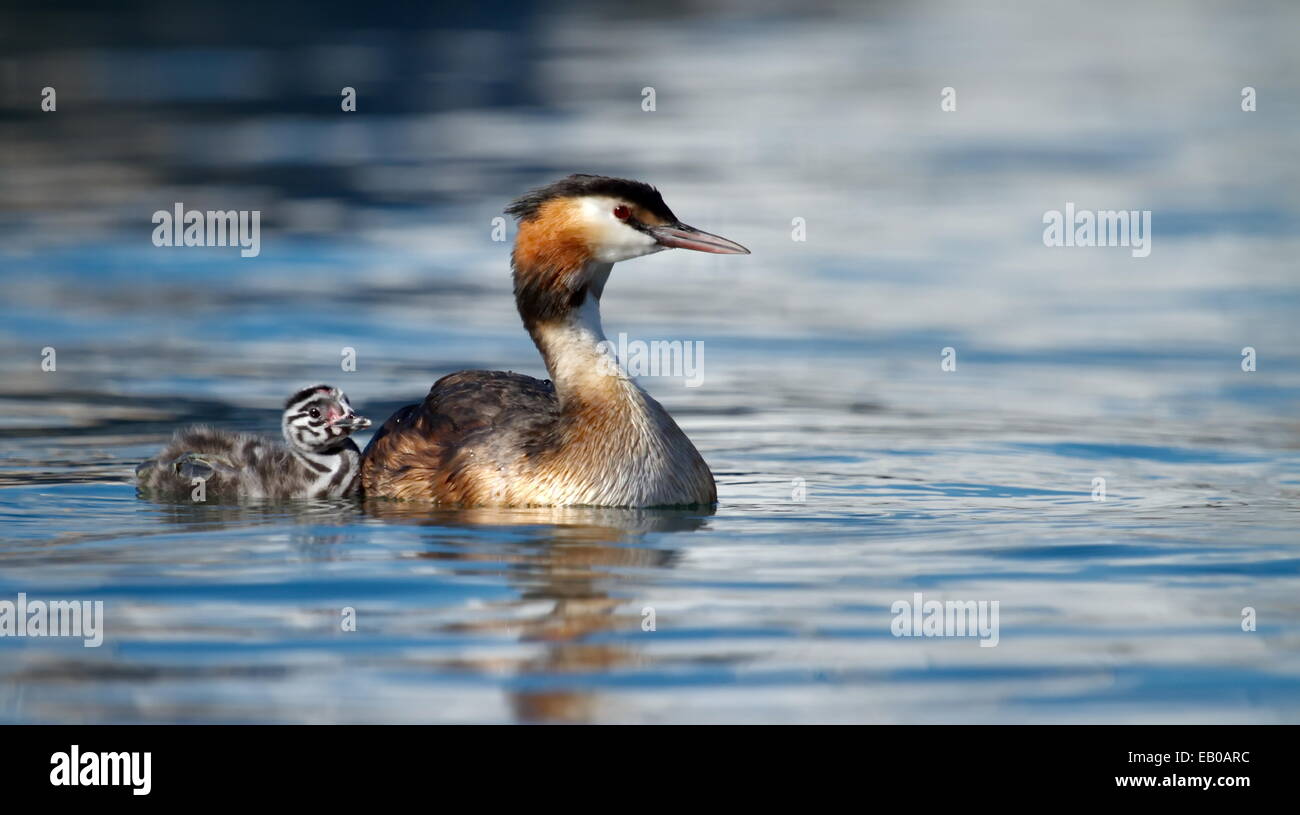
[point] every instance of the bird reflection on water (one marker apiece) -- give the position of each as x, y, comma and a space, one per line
569, 559
567, 566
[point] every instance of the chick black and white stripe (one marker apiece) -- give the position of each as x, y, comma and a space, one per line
320, 459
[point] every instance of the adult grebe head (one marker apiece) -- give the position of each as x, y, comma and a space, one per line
571, 231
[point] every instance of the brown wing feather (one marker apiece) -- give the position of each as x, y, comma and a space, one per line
433, 450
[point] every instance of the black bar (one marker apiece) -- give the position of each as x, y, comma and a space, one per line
215, 764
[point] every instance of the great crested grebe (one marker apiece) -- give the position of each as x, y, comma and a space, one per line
320, 461
590, 436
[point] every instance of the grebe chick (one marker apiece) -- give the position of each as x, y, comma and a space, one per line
320, 460
588, 436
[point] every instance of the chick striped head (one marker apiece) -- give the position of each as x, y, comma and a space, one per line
319, 418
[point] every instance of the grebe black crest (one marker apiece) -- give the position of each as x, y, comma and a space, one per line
588, 436
319, 459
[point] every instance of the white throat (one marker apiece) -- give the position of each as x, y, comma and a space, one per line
578, 357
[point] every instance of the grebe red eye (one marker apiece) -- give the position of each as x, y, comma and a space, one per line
622, 212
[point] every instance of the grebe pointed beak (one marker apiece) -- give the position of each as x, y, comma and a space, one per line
681, 236
353, 422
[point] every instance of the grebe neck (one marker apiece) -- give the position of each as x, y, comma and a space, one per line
329, 461
613, 444
572, 342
